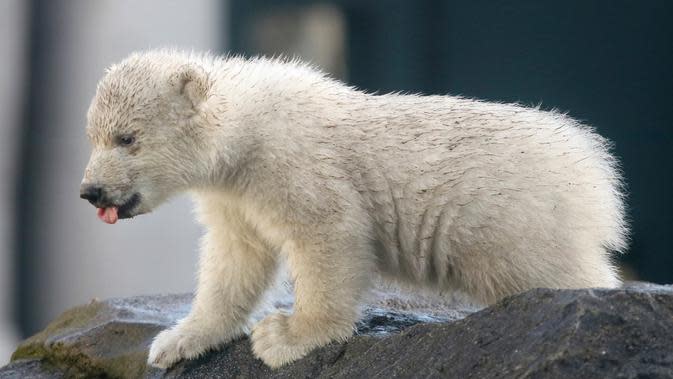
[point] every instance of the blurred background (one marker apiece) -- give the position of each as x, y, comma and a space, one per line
608, 63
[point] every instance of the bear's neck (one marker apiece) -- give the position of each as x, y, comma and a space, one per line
264, 112
270, 91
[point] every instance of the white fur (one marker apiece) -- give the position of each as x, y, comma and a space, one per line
436, 191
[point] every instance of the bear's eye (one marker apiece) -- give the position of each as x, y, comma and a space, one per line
126, 139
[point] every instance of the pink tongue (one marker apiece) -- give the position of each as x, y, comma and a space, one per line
108, 215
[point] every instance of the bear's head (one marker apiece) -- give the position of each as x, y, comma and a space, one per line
142, 124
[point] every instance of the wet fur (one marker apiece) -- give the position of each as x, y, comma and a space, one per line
434, 191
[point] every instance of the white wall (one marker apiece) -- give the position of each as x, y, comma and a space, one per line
12, 49
82, 258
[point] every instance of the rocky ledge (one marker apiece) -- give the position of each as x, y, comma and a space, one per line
623, 333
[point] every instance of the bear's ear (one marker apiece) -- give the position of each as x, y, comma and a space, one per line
192, 82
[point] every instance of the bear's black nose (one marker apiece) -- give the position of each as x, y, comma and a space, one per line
92, 193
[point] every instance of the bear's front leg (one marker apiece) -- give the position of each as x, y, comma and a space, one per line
234, 269
330, 276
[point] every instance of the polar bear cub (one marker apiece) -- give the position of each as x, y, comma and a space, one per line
441, 192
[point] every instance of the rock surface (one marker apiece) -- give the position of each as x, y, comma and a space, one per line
623, 333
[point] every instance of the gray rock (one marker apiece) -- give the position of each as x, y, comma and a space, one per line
624, 333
